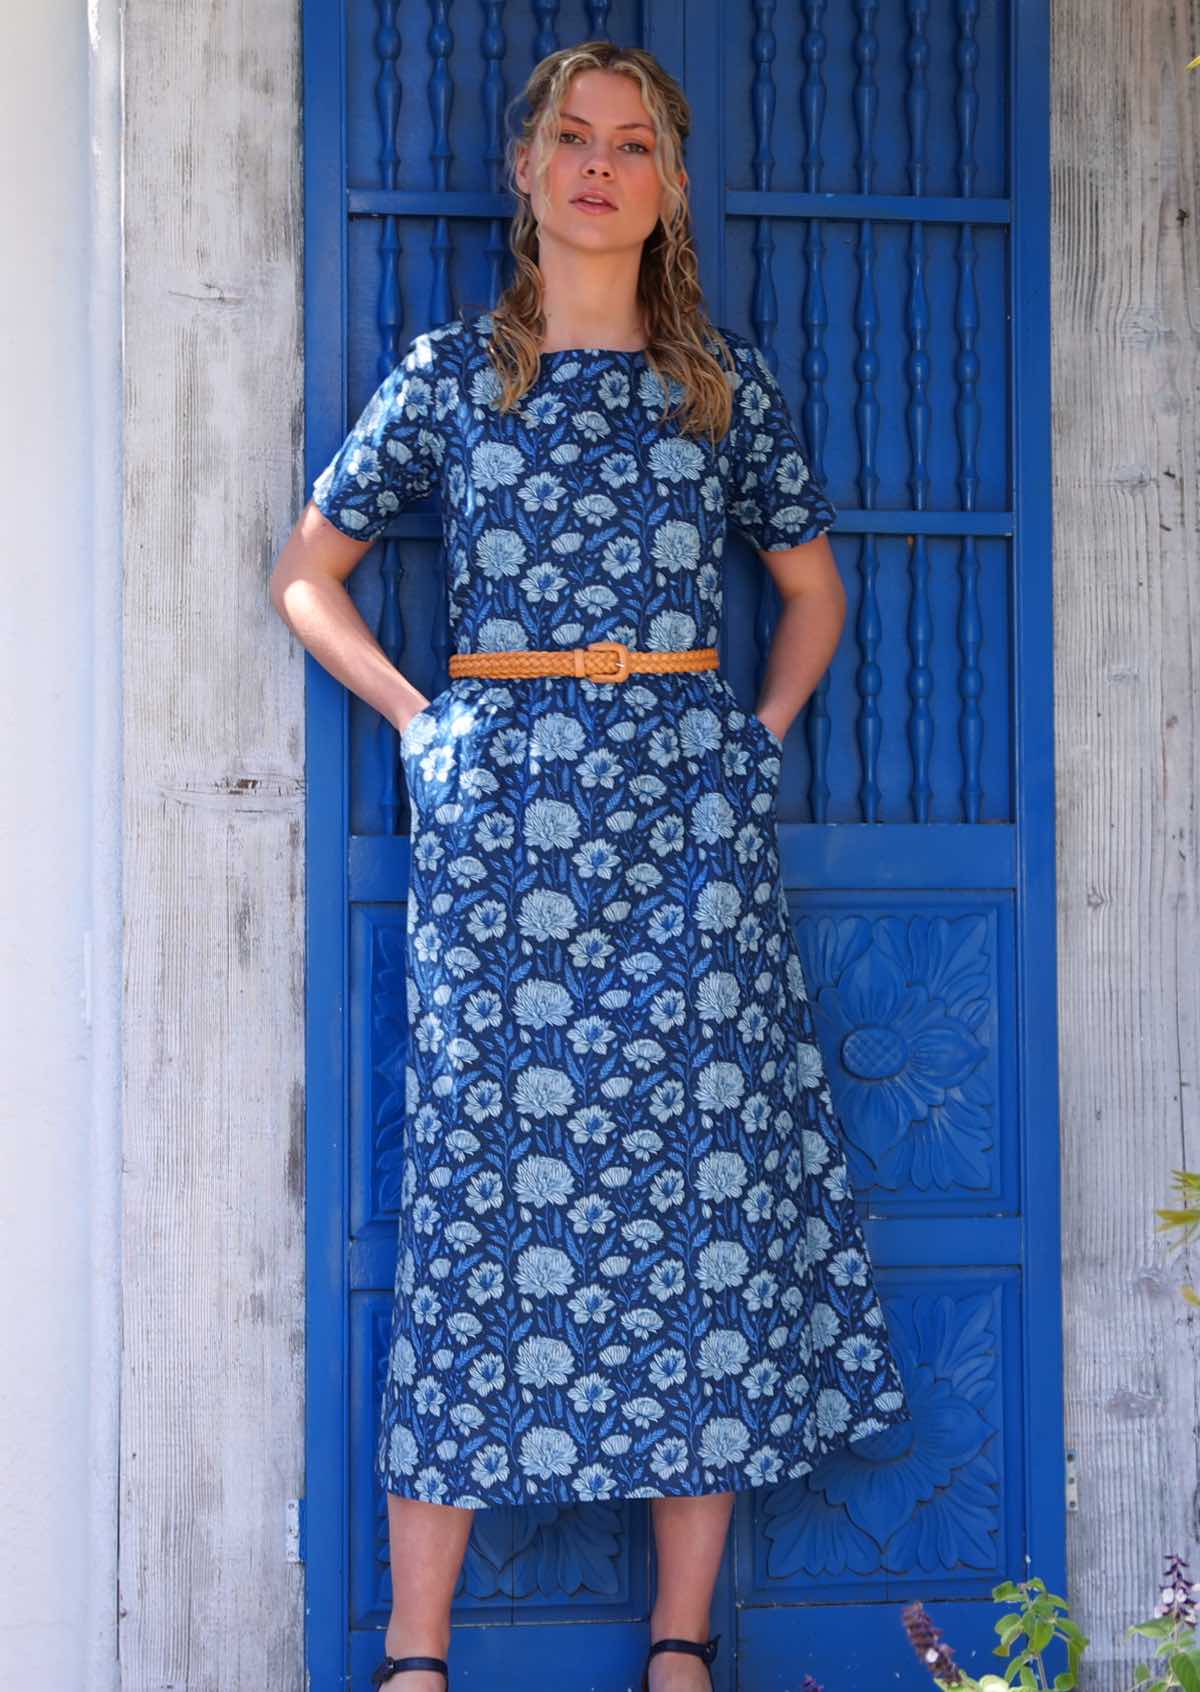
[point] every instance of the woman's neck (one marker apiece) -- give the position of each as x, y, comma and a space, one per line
566, 336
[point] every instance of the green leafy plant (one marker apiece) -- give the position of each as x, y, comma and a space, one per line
1185, 1220
1172, 1628
1040, 1619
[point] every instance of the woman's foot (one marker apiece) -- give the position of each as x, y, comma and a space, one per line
679, 1671
399, 1642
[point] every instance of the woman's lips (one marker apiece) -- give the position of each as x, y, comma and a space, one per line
591, 206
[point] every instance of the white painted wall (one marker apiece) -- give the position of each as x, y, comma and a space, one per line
59, 844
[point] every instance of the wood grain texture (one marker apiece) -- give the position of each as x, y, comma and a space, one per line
1126, 366
213, 1217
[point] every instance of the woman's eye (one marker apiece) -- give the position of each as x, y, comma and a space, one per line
569, 135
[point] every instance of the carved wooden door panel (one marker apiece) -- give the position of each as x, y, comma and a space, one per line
870, 193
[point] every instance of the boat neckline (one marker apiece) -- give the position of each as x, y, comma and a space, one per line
615, 352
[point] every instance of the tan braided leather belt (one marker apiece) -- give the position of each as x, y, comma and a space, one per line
600, 660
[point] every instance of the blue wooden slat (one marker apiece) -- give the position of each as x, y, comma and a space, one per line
389, 628
967, 101
920, 623
546, 40
813, 855
814, 410
883, 208
1033, 693
875, 521
387, 104
441, 95
441, 300
868, 624
326, 1410
492, 48
765, 303
896, 1243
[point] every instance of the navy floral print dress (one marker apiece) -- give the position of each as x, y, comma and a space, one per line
628, 1260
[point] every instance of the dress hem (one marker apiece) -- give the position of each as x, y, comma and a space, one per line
899, 1418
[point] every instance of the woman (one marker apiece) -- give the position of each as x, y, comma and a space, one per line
628, 1260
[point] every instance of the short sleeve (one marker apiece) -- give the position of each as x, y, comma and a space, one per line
772, 496
393, 455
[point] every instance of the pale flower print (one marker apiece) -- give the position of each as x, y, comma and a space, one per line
628, 1260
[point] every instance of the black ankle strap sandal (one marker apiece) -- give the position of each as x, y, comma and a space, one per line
692, 1646
395, 1665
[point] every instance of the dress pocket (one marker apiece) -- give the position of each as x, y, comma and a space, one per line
774, 744
420, 728
749, 725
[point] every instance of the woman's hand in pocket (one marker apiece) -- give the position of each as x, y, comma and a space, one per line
774, 733
418, 712
403, 715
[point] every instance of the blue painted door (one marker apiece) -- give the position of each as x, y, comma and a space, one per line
870, 194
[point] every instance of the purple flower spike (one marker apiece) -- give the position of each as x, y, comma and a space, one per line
926, 1640
1178, 1600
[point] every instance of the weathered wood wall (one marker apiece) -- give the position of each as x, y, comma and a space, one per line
1126, 309
212, 1418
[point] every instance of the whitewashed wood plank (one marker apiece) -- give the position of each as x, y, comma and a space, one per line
1126, 366
213, 1217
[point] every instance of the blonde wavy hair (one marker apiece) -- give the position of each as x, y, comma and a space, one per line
682, 343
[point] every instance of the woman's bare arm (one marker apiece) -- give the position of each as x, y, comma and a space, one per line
307, 591
808, 630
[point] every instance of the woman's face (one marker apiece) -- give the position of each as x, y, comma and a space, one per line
605, 148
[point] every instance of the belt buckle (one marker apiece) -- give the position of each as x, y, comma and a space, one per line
622, 654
